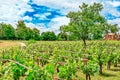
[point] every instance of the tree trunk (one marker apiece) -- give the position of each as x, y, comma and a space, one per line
84, 41
108, 65
86, 76
57, 70
89, 77
119, 60
84, 46
115, 64
100, 71
38, 61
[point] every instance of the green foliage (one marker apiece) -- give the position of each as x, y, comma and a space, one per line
37, 74
67, 71
111, 28
87, 23
6, 71
18, 71
6, 31
36, 34
56, 59
62, 36
31, 41
25, 33
63, 72
21, 32
48, 36
50, 68
91, 68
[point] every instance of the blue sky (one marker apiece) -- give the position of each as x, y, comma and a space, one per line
49, 15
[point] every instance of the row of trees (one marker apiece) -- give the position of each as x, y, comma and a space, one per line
22, 32
87, 23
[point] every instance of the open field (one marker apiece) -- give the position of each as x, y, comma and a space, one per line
38, 61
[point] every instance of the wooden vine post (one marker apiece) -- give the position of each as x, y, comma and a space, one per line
84, 60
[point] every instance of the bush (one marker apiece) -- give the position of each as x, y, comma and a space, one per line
31, 41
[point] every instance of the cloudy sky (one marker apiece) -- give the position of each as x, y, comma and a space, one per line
48, 15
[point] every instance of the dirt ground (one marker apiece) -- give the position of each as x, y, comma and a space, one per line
6, 44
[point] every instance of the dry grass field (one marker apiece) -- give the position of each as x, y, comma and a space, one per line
6, 44
9, 43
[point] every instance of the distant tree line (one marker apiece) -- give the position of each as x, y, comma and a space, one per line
22, 32
84, 24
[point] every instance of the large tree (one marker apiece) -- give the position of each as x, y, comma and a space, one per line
62, 35
84, 22
26, 33
36, 34
6, 31
21, 30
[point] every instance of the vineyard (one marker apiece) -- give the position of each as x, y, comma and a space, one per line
61, 60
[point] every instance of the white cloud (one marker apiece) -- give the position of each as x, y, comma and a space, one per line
57, 22
54, 25
72, 5
63, 5
25, 0
27, 18
115, 21
109, 7
63, 20
114, 3
12, 11
40, 27
42, 16
30, 25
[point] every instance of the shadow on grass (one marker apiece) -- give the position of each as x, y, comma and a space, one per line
118, 66
115, 69
107, 75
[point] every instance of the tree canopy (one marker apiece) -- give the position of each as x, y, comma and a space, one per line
22, 32
86, 22
49, 36
6, 31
